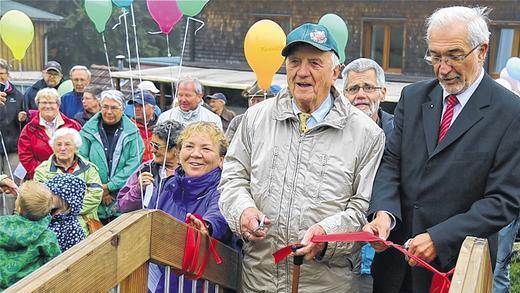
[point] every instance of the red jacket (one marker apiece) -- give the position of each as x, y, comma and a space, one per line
33, 145
147, 155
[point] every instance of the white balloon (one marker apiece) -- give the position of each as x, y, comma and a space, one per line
504, 83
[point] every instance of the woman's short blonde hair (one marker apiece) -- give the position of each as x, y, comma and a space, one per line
48, 92
34, 200
205, 128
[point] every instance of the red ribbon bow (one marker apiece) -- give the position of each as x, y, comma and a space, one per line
192, 250
440, 282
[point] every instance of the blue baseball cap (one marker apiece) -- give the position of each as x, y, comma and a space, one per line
145, 96
315, 35
218, 96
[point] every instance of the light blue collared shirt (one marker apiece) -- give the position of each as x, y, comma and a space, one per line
319, 114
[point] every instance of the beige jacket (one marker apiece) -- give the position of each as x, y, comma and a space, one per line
323, 176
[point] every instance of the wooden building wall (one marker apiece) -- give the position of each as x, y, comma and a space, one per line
35, 54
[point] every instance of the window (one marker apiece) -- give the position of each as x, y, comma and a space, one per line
384, 43
504, 44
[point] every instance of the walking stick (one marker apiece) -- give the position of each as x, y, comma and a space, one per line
297, 262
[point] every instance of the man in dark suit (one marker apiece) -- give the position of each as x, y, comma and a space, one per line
451, 165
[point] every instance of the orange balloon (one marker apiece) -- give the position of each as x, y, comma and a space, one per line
263, 49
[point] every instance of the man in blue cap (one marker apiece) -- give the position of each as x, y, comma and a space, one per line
145, 118
217, 102
301, 164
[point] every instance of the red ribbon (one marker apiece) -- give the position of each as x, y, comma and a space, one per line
440, 282
192, 250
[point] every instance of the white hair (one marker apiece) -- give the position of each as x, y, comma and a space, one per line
80, 67
474, 18
48, 92
361, 65
194, 80
334, 59
114, 95
76, 138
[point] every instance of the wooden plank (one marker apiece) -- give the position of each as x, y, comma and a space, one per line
137, 282
167, 247
473, 272
97, 263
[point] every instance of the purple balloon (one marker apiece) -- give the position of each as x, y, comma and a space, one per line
165, 12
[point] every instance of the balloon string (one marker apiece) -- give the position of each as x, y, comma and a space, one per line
202, 24
6, 156
182, 54
119, 18
171, 75
142, 97
108, 60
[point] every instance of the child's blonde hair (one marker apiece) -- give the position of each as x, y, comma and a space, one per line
34, 200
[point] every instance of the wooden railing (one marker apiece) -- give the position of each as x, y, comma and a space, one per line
118, 255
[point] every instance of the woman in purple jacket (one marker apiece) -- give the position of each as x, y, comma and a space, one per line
193, 189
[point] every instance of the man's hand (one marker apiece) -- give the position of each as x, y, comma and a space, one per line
380, 226
8, 186
423, 247
311, 249
22, 116
249, 224
107, 198
3, 97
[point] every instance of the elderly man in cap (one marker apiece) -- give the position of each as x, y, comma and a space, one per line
301, 164
91, 104
217, 102
52, 77
190, 108
144, 103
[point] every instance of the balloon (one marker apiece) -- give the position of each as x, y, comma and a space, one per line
263, 46
504, 83
338, 28
123, 3
65, 86
99, 11
515, 84
17, 31
513, 67
191, 7
165, 12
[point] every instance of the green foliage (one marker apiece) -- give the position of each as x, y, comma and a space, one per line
76, 41
514, 272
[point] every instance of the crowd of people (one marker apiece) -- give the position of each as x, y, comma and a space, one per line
306, 160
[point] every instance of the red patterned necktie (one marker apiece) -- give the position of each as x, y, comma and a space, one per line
446, 118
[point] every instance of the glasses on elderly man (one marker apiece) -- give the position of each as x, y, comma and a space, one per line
112, 108
434, 59
366, 88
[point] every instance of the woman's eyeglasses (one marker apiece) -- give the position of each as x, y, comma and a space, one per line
157, 146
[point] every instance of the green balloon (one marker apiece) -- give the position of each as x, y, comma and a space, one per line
65, 87
338, 28
191, 7
99, 11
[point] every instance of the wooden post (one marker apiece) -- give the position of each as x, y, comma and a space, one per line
137, 281
473, 272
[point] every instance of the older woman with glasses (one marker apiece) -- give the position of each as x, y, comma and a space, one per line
112, 142
193, 190
65, 144
33, 145
147, 179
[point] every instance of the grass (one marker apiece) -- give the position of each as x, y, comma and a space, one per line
515, 269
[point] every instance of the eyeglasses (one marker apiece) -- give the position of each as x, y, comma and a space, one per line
449, 59
157, 146
366, 88
47, 103
112, 108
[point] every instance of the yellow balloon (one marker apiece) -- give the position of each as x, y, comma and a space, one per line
17, 31
263, 49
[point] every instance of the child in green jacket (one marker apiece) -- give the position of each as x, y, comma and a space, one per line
26, 242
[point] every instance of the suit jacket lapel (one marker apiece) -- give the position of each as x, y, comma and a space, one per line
431, 112
469, 115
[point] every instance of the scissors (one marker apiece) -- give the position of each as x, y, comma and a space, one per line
261, 224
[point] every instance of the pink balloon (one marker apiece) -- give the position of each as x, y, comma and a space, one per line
165, 12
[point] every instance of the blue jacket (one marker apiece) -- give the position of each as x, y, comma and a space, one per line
181, 195
71, 104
